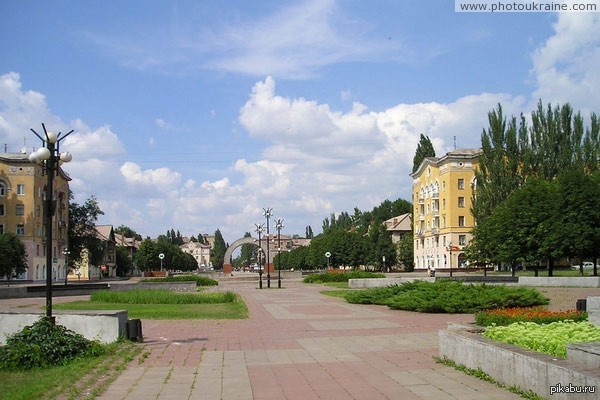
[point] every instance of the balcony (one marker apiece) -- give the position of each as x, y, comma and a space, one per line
435, 231
421, 200
421, 217
435, 195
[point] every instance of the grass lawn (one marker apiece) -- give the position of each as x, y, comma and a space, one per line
235, 310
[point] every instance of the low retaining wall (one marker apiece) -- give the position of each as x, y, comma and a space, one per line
104, 326
579, 281
514, 366
172, 286
593, 309
365, 283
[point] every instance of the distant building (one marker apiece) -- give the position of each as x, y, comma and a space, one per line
107, 267
22, 194
442, 193
399, 226
200, 251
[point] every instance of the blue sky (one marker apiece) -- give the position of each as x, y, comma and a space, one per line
196, 115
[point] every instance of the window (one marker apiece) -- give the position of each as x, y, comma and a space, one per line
461, 221
2, 188
20, 209
1, 209
20, 230
461, 183
20, 189
462, 240
1, 229
443, 204
461, 202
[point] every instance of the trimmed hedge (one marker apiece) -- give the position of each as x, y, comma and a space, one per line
325, 277
447, 297
200, 280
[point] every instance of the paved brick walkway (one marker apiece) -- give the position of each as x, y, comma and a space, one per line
298, 344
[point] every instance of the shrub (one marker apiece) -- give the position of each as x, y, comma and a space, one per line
539, 315
44, 344
325, 277
200, 280
447, 296
161, 296
549, 338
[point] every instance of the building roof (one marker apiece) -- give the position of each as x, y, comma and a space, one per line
127, 242
105, 232
401, 223
23, 158
458, 154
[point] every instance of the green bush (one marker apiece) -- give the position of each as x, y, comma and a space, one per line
447, 296
325, 277
161, 296
44, 344
200, 280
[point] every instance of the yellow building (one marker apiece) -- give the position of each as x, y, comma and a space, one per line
442, 193
22, 190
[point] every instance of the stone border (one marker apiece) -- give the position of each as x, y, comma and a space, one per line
513, 366
104, 326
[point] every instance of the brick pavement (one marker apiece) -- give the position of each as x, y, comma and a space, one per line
298, 344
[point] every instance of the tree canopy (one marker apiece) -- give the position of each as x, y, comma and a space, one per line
14, 256
424, 149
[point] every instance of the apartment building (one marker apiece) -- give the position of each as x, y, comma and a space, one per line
22, 194
442, 194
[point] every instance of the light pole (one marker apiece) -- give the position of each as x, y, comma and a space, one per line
66, 252
48, 155
259, 230
268, 212
279, 226
450, 251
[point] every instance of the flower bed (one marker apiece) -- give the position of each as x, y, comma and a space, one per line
551, 338
539, 315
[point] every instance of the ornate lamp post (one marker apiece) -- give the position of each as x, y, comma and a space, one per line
450, 251
50, 158
66, 253
268, 213
279, 226
260, 228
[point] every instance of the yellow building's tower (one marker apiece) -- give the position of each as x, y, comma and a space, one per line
442, 193
22, 191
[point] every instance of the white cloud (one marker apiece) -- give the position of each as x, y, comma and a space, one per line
566, 66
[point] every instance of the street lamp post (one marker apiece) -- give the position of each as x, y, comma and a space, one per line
279, 226
259, 230
268, 213
450, 251
66, 252
48, 155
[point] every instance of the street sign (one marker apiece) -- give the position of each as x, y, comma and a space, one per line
328, 254
161, 256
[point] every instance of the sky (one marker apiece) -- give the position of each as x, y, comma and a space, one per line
197, 115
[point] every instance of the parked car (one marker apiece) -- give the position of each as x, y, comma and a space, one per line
586, 265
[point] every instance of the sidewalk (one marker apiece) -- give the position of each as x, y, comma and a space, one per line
298, 344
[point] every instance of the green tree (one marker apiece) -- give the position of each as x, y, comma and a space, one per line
424, 149
13, 256
246, 252
406, 252
146, 258
309, 232
124, 262
82, 230
128, 232
218, 251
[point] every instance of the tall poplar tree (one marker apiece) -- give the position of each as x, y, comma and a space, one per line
424, 149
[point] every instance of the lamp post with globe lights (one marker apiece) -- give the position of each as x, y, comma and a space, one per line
260, 228
66, 253
279, 226
50, 158
268, 213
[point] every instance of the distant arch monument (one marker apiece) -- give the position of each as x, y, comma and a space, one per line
228, 268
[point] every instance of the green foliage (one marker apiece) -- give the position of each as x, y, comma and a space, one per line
44, 344
14, 256
424, 149
200, 280
146, 258
340, 277
406, 252
161, 296
218, 251
447, 296
82, 230
124, 262
549, 338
